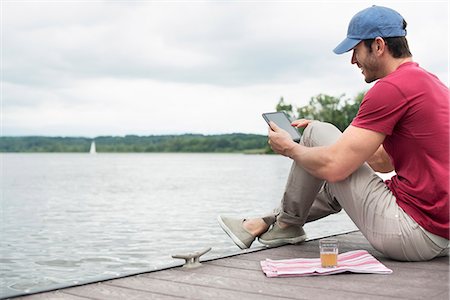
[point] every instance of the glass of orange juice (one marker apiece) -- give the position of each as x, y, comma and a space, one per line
328, 252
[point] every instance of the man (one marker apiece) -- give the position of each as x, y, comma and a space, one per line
402, 125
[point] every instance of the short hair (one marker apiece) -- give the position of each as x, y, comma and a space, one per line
397, 46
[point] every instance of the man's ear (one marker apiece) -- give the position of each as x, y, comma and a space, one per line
379, 45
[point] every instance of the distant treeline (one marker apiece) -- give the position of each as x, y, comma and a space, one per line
236, 142
339, 111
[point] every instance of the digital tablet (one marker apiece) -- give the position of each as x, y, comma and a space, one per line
282, 120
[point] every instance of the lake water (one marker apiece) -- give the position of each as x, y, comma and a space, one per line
68, 218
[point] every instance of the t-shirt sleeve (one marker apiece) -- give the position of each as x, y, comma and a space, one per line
381, 109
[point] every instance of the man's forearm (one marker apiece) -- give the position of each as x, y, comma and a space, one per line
334, 162
320, 162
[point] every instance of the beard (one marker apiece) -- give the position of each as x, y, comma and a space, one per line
371, 69
370, 79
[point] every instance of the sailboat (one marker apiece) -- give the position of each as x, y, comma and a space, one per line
93, 150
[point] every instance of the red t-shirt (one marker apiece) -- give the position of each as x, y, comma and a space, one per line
410, 106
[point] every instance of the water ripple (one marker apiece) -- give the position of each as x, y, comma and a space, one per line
77, 217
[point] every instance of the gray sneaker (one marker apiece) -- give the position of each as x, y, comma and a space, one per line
236, 231
277, 236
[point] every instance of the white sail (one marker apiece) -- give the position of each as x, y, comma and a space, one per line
93, 150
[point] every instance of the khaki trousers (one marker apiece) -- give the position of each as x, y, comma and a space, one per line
364, 197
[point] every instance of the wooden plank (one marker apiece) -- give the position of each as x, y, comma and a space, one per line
310, 250
370, 284
105, 291
187, 290
289, 251
237, 263
293, 251
403, 271
428, 269
437, 264
348, 242
444, 296
261, 287
426, 275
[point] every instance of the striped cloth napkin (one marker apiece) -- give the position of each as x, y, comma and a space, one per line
359, 261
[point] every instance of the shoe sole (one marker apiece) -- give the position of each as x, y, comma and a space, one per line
227, 230
285, 241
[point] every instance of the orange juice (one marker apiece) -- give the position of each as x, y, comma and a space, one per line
328, 260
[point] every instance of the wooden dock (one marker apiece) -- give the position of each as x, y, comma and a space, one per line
240, 277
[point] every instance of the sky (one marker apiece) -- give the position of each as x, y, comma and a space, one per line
94, 68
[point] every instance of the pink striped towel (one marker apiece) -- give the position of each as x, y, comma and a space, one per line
359, 261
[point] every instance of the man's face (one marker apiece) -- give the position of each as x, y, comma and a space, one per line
367, 61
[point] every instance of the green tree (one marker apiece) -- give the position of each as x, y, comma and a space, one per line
286, 108
339, 111
351, 107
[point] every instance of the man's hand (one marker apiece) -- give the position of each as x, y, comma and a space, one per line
280, 140
301, 123
380, 161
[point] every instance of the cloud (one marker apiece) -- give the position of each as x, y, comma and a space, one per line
222, 44
90, 68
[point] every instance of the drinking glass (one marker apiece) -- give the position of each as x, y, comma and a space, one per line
328, 252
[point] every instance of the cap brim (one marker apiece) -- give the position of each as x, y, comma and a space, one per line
346, 45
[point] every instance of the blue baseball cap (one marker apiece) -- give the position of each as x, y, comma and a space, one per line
372, 22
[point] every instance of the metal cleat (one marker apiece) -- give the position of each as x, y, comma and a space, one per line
192, 260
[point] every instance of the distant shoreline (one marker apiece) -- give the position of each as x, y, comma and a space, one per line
185, 143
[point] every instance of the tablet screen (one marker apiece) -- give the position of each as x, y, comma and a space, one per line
282, 120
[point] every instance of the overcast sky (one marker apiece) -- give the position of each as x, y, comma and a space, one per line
90, 68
